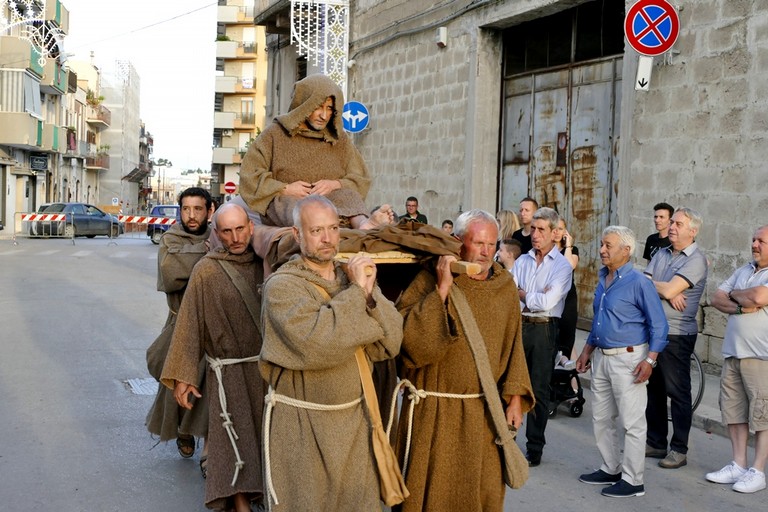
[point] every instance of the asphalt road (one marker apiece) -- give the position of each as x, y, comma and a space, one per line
75, 321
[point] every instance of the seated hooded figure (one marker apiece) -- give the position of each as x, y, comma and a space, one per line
306, 151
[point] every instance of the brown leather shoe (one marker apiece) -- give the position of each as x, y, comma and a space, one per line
673, 460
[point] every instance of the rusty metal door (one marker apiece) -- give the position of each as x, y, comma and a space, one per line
560, 139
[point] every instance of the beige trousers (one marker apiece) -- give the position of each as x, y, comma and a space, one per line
618, 405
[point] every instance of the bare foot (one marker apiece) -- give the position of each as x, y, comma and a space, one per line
384, 216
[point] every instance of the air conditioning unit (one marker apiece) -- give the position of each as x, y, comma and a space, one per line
226, 133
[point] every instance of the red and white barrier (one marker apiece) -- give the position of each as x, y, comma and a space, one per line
43, 217
137, 219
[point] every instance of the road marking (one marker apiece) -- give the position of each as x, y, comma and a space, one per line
122, 254
48, 253
79, 254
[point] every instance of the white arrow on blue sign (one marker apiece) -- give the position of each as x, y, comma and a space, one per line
354, 117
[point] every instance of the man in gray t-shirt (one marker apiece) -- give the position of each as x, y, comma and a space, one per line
679, 273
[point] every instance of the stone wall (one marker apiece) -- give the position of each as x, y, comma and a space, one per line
699, 138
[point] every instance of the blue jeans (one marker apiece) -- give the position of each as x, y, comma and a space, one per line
539, 341
671, 378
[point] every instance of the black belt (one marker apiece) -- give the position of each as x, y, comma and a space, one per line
538, 319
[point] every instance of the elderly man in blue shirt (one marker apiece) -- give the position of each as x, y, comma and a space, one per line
629, 329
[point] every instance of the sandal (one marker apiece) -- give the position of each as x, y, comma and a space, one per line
186, 445
204, 465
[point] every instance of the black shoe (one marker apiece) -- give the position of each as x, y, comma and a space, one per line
534, 459
600, 477
623, 489
655, 453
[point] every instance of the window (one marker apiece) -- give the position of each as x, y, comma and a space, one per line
590, 31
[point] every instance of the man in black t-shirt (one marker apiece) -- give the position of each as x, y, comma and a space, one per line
528, 207
662, 216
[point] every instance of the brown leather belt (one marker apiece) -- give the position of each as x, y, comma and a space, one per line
621, 350
538, 319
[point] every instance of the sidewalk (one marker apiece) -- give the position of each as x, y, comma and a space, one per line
706, 417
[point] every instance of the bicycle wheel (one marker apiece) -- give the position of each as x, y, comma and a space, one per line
697, 381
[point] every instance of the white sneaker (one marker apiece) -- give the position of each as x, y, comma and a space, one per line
730, 474
752, 481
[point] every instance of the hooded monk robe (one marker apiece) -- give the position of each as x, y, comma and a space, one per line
454, 463
322, 460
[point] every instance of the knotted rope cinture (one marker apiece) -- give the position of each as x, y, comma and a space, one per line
216, 365
273, 398
415, 396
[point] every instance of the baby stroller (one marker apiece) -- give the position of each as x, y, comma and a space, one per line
561, 391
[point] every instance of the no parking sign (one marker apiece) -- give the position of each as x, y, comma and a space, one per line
651, 28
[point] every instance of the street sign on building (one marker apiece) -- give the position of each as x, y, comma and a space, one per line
38, 162
355, 117
230, 187
651, 27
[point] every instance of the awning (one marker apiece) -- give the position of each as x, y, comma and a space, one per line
137, 175
5, 158
22, 171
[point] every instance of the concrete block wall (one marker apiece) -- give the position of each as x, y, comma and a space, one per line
699, 137
417, 96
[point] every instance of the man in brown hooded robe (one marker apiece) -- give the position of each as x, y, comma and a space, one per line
181, 247
453, 462
217, 323
315, 314
307, 151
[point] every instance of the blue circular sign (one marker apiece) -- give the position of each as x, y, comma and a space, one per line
355, 117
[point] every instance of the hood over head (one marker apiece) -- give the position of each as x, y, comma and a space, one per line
308, 94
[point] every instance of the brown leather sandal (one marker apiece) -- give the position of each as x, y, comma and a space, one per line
186, 445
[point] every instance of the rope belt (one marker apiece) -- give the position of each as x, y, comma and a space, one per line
273, 398
216, 365
415, 396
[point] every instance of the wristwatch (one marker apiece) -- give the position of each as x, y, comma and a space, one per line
651, 362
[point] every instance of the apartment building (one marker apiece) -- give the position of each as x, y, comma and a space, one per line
87, 117
241, 71
34, 84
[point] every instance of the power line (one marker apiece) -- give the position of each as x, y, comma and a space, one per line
148, 26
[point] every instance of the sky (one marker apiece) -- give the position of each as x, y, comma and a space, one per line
171, 43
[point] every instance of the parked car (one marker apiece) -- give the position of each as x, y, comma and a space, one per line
81, 220
156, 231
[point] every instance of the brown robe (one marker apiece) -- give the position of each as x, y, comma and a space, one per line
322, 460
284, 153
214, 320
178, 253
454, 463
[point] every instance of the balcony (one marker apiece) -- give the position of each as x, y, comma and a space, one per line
20, 130
235, 14
97, 163
21, 53
247, 49
246, 84
224, 156
71, 81
226, 49
54, 138
226, 84
55, 80
245, 121
224, 120
274, 16
99, 117
58, 14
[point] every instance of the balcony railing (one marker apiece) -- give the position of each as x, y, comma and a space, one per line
100, 162
99, 116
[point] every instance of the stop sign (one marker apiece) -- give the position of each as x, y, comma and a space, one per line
230, 187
